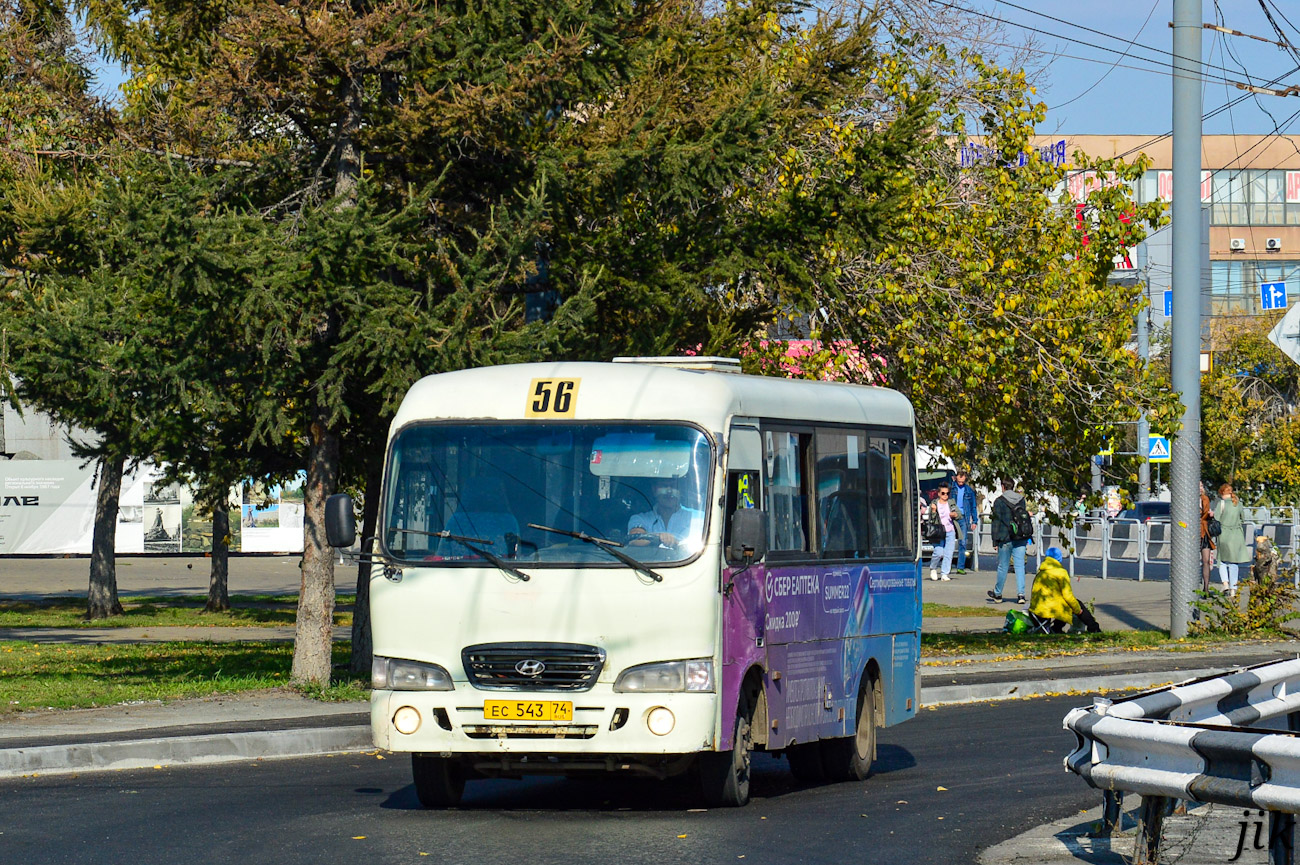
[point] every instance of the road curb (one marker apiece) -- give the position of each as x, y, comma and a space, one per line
313, 741
948, 695
183, 750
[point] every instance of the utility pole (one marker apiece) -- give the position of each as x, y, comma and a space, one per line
1144, 427
1185, 564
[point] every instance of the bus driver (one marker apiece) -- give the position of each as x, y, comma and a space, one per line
668, 520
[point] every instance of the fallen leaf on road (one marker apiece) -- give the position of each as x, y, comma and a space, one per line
363, 837
944, 789
681, 836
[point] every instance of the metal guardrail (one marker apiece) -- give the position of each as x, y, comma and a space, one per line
1202, 741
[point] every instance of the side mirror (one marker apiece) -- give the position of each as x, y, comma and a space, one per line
748, 536
340, 521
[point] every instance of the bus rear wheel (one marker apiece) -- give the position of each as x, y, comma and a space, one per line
724, 777
439, 782
850, 758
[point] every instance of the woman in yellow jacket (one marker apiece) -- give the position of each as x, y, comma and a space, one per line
1053, 598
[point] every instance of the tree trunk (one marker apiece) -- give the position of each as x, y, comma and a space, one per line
362, 645
101, 600
219, 578
313, 638
347, 172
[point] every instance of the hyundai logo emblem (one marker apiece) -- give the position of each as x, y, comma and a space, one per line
530, 668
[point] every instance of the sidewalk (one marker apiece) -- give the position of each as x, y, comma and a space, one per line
1205, 835
1121, 605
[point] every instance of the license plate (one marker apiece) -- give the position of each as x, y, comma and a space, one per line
527, 710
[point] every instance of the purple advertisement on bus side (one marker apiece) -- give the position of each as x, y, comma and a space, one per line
813, 628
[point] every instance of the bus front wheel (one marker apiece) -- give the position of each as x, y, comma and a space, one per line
724, 777
850, 758
439, 782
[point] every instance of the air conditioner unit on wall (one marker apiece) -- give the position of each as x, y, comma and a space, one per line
1273, 244
1237, 244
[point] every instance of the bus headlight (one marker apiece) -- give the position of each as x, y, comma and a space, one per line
399, 675
666, 677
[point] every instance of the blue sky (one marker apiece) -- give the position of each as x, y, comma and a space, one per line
1091, 86
1094, 81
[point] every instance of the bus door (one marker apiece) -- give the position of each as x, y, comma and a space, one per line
806, 601
743, 607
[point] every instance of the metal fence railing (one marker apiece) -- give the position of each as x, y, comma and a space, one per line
1136, 542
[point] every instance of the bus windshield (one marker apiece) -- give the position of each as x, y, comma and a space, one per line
526, 492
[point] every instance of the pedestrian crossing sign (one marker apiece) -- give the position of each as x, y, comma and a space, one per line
1158, 449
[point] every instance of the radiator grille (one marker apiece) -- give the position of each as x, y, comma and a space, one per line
511, 666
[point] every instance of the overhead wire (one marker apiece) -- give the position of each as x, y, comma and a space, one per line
1162, 60
1114, 65
1282, 15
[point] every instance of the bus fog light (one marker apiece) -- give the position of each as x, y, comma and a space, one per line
407, 720
660, 721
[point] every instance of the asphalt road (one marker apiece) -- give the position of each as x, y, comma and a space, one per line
1000, 765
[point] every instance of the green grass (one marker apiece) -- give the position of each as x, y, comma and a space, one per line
938, 646
156, 612
61, 676
930, 610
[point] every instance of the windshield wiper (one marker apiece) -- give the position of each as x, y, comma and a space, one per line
607, 545
470, 543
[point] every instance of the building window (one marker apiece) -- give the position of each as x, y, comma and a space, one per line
1234, 285
1253, 198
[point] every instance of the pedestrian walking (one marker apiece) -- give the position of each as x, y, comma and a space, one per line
1207, 540
943, 510
1231, 547
1012, 528
963, 496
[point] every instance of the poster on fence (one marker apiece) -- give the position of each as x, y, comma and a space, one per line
271, 516
47, 507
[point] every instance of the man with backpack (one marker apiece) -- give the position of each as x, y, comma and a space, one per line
1012, 530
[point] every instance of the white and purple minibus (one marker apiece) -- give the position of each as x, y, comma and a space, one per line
652, 566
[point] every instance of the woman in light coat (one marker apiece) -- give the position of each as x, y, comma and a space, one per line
1231, 548
949, 516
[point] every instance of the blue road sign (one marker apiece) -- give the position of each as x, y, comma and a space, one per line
1158, 449
1272, 295
1169, 303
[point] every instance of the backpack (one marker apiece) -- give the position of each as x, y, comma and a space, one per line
1022, 527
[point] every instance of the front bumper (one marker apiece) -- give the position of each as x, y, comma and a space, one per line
605, 728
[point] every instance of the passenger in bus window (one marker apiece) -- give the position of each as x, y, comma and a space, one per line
667, 522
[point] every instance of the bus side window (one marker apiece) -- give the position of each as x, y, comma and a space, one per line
786, 491
742, 495
890, 492
841, 486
